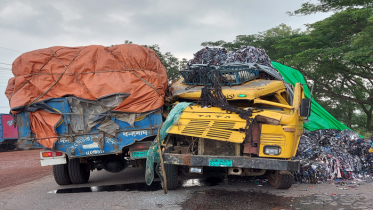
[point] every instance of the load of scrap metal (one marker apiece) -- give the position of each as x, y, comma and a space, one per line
247, 56
327, 155
220, 56
124, 81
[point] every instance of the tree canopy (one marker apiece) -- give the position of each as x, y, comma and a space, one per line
330, 6
172, 64
337, 55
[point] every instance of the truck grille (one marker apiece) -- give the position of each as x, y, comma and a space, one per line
272, 139
196, 127
212, 129
219, 130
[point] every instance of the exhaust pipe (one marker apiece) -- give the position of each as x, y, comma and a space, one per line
254, 172
234, 171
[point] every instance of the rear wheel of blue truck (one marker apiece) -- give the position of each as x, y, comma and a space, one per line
79, 172
61, 174
280, 179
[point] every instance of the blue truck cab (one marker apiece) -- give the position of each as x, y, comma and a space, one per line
74, 155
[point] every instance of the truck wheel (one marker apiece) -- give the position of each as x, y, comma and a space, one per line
78, 172
280, 179
172, 175
11, 146
61, 174
3, 148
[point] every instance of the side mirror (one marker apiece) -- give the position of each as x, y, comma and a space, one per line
305, 107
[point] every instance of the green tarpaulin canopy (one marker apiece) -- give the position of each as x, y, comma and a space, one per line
320, 118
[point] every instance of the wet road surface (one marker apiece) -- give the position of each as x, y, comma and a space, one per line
127, 190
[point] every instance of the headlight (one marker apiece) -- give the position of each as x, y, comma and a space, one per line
272, 150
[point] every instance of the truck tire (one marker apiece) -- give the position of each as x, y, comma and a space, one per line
3, 148
172, 174
11, 146
78, 172
61, 174
280, 179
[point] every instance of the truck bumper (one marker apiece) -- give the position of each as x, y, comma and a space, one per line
231, 161
50, 161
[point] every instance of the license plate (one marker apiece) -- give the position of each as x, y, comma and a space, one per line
139, 154
220, 162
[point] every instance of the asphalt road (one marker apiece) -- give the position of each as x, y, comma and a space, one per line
239, 193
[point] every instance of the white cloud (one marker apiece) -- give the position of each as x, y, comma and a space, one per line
18, 10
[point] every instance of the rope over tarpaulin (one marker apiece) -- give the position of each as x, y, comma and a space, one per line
319, 118
153, 152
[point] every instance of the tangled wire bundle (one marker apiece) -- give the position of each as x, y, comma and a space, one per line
212, 95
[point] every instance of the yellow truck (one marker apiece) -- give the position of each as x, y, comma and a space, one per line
210, 141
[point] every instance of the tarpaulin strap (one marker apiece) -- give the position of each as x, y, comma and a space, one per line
29, 79
78, 79
66, 68
146, 82
88, 72
37, 98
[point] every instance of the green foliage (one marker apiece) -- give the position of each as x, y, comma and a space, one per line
171, 63
337, 55
330, 5
281, 30
264, 40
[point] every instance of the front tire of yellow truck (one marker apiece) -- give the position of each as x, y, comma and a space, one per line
172, 174
280, 179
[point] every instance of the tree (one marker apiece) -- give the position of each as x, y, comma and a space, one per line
337, 55
330, 5
264, 40
171, 63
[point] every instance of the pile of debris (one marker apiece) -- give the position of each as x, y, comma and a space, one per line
327, 155
220, 56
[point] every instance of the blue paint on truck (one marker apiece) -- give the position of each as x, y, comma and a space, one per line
87, 145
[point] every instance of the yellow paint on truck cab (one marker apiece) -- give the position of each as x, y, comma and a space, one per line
215, 123
251, 90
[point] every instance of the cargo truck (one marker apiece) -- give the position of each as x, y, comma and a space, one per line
216, 141
8, 133
92, 107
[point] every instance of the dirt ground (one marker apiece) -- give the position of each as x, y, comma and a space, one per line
18, 167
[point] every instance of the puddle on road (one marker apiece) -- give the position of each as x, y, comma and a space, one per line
211, 181
111, 188
156, 185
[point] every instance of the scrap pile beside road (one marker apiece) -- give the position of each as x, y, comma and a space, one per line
327, 155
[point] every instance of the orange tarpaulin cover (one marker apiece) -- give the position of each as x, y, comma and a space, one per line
90, 72
47, 121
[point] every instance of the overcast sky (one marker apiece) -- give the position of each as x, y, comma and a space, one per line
176, 26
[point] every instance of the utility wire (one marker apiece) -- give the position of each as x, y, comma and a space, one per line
11, 49
5, 63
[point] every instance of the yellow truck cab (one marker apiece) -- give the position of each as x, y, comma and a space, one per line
211, 141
